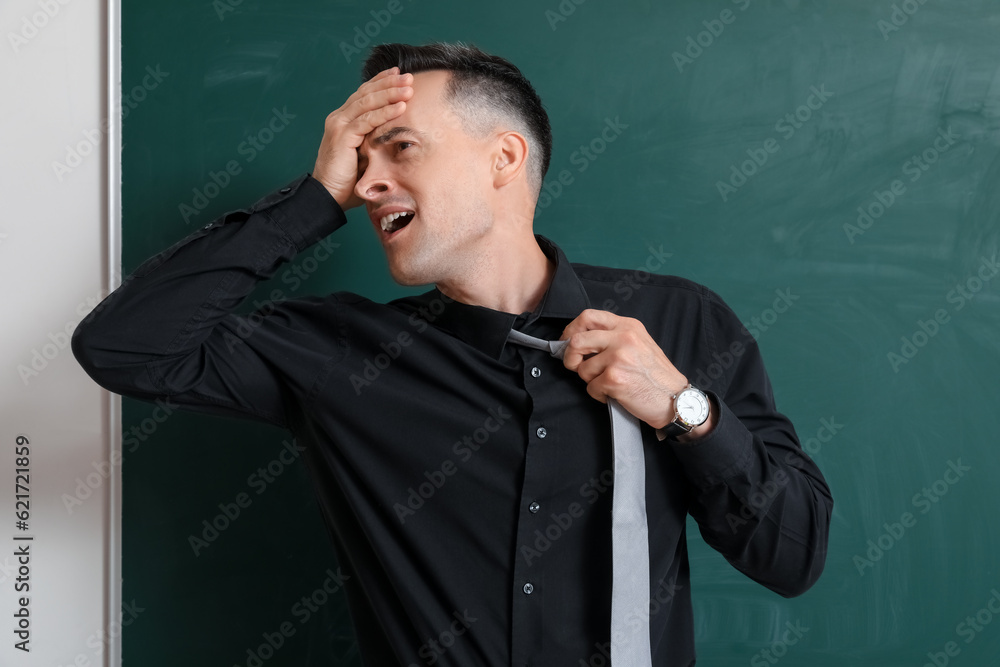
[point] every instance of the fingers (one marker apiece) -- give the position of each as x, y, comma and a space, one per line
620, 363
584, 334
592, 319
583, 345
378, 82
610, 348
597, 358
617, 358
384, 73
374, 103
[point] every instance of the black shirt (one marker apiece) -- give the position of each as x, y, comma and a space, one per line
465, 482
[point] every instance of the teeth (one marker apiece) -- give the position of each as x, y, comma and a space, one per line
388, 221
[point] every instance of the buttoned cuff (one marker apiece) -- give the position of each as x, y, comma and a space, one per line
719, 455
304, 210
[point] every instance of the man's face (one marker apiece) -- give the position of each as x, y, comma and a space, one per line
423, 162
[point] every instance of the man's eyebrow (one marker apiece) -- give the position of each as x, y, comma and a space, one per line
389, 135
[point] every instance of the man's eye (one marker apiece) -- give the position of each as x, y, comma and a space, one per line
401, 145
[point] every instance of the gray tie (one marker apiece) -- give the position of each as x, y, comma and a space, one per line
629, 536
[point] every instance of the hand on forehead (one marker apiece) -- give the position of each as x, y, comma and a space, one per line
427, 111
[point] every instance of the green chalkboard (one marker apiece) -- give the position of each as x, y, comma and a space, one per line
830, 168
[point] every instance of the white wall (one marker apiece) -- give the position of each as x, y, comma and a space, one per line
54, 266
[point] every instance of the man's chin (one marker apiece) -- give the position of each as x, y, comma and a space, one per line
408, 278
412, 283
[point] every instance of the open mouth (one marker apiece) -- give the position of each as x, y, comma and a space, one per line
394, 222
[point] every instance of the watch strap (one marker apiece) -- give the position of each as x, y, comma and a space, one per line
675, 428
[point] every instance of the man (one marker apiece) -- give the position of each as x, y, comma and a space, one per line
466, 480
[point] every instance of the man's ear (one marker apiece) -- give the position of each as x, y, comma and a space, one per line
510, 157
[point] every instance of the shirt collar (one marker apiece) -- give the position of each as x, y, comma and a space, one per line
486, 329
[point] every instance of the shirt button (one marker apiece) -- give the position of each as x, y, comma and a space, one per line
528, 588
285, 191
536, 371
541, 432
534, 507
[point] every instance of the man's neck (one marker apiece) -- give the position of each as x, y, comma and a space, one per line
512, 277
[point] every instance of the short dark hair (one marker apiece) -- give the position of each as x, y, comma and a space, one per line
481, 84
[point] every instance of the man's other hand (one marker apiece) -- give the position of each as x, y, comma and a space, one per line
616, 357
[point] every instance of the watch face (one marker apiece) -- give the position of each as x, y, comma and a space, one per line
692, 407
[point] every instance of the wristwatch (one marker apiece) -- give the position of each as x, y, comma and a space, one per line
691, 408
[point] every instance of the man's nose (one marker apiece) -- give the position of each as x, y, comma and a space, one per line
373, 182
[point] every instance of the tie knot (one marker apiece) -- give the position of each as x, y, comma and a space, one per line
553, 347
